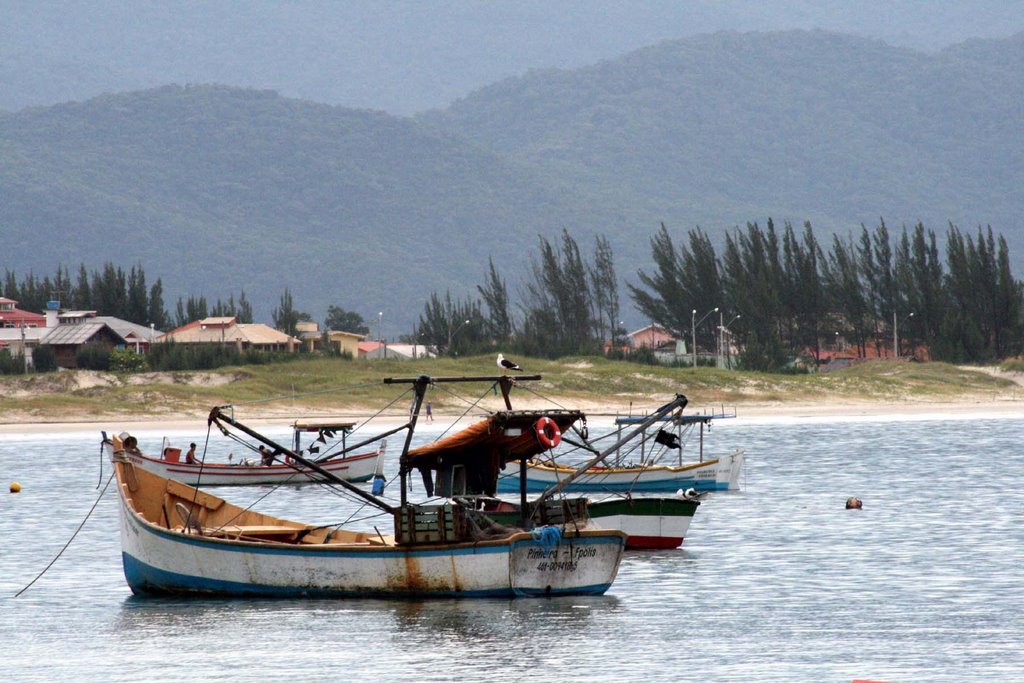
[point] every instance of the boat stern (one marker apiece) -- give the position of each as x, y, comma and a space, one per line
547, 562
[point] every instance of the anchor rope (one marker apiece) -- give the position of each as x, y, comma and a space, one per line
57, 556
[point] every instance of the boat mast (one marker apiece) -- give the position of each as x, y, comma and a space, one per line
420, 385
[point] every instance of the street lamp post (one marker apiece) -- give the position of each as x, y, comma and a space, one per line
722, 331
380, 335
451, 335
896, 335
693, 331
24, 349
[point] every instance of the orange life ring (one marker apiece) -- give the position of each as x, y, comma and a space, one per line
548, 432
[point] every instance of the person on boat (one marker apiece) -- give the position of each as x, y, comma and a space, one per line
266, 457
190, 457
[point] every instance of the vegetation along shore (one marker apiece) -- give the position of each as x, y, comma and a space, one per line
334, 386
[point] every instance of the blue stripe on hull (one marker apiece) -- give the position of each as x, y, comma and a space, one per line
309, 551
145, 579
511, 485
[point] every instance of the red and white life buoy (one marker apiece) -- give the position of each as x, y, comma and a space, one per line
548, 433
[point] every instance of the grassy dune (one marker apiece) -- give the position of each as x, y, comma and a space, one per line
322, 385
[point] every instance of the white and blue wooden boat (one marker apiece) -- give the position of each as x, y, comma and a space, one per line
336, 459
180, 540
649, 475
718, 474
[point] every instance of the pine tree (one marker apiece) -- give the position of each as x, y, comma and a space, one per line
495, 297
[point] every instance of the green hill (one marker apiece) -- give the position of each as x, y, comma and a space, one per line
404, 57
216, 189
720, 129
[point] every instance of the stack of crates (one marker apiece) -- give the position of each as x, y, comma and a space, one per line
562, 511
419, 524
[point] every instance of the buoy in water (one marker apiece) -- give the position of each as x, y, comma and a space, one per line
854, 503
15, 487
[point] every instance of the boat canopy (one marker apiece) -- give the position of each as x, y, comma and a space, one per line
323, 425
499, 439
469, 461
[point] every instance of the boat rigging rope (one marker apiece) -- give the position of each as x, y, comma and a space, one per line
367, 421
542, 396
57, 556
472, 405
202, 463
307, 393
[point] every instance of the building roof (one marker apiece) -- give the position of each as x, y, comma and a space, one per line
258, 333
651, 335
333, 334
77, 334
12, 316
129, 330
375, 349
216, 330
32, 334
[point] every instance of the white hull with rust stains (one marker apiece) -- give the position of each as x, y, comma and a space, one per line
240, 558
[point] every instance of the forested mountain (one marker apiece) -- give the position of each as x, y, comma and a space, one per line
218, 190
720, 129
405, 57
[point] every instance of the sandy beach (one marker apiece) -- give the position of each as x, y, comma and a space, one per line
971, 407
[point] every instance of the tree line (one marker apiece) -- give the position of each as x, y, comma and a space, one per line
781, 292
789, 296
123, 294
568, 304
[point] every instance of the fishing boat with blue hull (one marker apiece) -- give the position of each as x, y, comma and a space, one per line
177, 539
719, 474
649, 474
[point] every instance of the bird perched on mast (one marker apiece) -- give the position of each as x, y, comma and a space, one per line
505, 364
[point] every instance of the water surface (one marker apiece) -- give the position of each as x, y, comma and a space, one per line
776, 583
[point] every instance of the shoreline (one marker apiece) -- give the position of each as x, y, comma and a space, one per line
752, 412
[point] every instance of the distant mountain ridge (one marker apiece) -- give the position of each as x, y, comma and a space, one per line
798, 125
218, 189
405, 57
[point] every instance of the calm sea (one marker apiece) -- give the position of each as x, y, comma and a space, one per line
776, 583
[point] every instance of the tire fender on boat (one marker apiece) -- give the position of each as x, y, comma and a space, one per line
548, 433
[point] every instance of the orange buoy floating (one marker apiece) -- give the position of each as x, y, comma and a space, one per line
15, 487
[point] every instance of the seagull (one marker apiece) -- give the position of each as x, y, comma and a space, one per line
505, 364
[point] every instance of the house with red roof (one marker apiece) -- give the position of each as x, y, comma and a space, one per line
12, 316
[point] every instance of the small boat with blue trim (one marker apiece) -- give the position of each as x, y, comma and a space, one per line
648, 474
272, 468
177, 539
